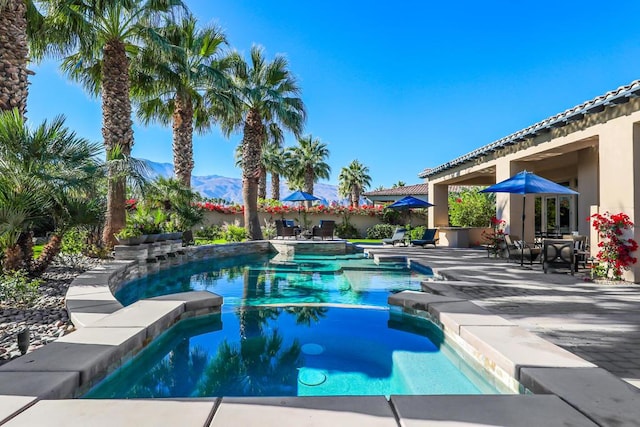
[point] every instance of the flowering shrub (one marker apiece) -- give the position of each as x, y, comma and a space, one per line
296, 209
494, 238
614, 249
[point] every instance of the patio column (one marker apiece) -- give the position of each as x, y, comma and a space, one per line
619, 167
438, 214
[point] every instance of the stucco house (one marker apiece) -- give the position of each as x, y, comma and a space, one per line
593, 148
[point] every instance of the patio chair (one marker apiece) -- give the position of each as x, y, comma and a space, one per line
398, 237
325, 229
518, 249
428, 238
558, 253
580, 249
286, 228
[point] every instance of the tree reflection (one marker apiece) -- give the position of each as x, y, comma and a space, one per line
260, 366
307, 313
174, 376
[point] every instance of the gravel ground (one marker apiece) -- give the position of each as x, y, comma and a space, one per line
46, 318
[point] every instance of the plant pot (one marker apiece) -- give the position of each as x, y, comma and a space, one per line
130, 241
151, 238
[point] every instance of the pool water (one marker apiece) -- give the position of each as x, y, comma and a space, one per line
294, 351
268, 279
307, 326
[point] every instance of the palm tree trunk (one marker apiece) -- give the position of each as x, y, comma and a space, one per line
49, 252
13, 56
355, 196
251, 158
309, 178
25, 241
275, 186
262, 187
117, 129
183, 139
13, 258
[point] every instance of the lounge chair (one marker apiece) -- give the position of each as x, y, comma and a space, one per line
398, 237
286, 228
428, 238
325, 229
518, 249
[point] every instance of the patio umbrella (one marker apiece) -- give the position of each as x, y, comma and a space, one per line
300, 196
527, 183
408, 203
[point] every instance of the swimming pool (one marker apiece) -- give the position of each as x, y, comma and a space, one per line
295, 351
268, 279
307, 326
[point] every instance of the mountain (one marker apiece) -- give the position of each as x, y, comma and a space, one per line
216, 186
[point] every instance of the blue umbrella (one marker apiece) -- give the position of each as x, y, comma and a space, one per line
527, 183
409, 202
300, 196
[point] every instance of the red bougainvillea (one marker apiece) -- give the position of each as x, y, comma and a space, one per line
615, 251
285, 209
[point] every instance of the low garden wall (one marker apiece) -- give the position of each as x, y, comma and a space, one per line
360, 222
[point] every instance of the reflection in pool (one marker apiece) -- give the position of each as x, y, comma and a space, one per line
260, 280
295, 351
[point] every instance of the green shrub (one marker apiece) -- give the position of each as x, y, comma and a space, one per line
269, 229
380, 231
74, 241
234, 233
212, 232
346, 230
470, 208
16, 288
417, 232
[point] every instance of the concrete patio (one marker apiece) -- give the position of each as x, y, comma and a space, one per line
598, 322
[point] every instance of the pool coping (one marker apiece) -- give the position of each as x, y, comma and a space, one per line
109, 335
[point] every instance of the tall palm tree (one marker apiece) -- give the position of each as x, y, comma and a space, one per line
14, 55
47, 174
307, 162
264, 92
353, 180
275, 137
96, 39
179, 63
275, 162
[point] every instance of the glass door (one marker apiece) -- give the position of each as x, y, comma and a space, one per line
555, 215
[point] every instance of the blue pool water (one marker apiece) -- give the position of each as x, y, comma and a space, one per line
259, 280
308, 326
294, 351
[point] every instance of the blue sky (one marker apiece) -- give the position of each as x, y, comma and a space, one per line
400, 86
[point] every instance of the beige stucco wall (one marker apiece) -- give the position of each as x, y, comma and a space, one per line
361, 222
599, 155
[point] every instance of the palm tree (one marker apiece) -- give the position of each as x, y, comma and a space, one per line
96, 39
47, 174
399, 184
274, 137
264, 92
179, 63
306, 162
275, 162
353, 180
17, 19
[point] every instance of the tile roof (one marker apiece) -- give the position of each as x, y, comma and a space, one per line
407, 190
595, 105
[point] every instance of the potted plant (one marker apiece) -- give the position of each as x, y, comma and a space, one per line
130, 235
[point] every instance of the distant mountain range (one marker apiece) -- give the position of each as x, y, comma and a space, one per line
216, 186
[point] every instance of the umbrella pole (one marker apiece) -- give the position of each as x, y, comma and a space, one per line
524, 201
